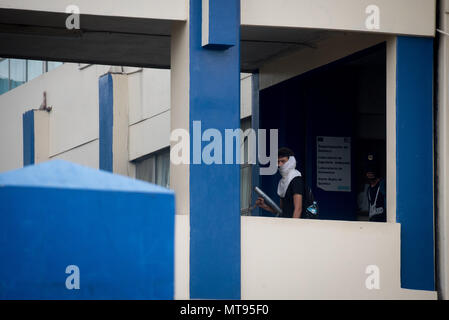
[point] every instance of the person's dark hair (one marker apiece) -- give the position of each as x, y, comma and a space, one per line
371, 163
285, 152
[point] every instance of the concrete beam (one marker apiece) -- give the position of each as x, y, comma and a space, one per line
410, 17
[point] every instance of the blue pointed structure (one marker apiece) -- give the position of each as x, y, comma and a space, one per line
118, 231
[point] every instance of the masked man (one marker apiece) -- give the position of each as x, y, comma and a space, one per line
290, 188
376, 193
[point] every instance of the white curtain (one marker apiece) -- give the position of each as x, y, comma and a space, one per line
145, 170
163, 169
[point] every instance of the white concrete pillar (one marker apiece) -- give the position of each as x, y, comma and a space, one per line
442, 154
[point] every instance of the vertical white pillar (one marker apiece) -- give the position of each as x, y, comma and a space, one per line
41, 136
391, 129
179, 115
120, 125
179, 174
442, 153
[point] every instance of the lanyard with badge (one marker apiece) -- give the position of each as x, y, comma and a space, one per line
372, 207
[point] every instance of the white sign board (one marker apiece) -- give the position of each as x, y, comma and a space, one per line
334, 164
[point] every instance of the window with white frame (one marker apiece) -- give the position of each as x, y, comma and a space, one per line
15, 72
155, 168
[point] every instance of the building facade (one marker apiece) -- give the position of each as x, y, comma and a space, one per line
371, 75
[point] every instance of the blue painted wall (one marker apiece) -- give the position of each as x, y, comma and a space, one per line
118, 231
414, 155
331, 103
28, 137
106, 116
215, 189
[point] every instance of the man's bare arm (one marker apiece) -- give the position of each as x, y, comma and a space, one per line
297, 201
261, 204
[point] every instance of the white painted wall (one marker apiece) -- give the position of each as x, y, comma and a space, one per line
311, 259
149, 94
182, 257
246, 95
396, 16
73, 94
156, 9
329, 50
73, 121
41, 135
179, 97
85, 154
391, 128
414, 17
149, 111
120, 127
149, 135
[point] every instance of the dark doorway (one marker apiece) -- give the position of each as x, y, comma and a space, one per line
342, 104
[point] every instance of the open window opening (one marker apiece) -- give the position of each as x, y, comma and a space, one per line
334, 119
155, 168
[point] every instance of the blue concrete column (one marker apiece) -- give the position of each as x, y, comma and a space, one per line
106, 116
414, 171
214, 99
28, 137
113, 123
35, 127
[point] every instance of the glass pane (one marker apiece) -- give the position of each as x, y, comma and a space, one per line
163, 169
53, 64
34, 69
245, 189
18, 72
145, 170
245, 171
245, 124
4, 76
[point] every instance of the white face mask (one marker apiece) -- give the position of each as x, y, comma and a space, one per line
288, 166
288, 172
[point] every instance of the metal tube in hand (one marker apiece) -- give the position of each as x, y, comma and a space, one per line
268, 201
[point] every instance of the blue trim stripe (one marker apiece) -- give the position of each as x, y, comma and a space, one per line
414, 172
106, 116
214, 189
28, 137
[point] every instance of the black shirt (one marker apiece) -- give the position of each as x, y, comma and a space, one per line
296, 186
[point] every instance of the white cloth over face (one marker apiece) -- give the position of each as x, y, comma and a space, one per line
288, 172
